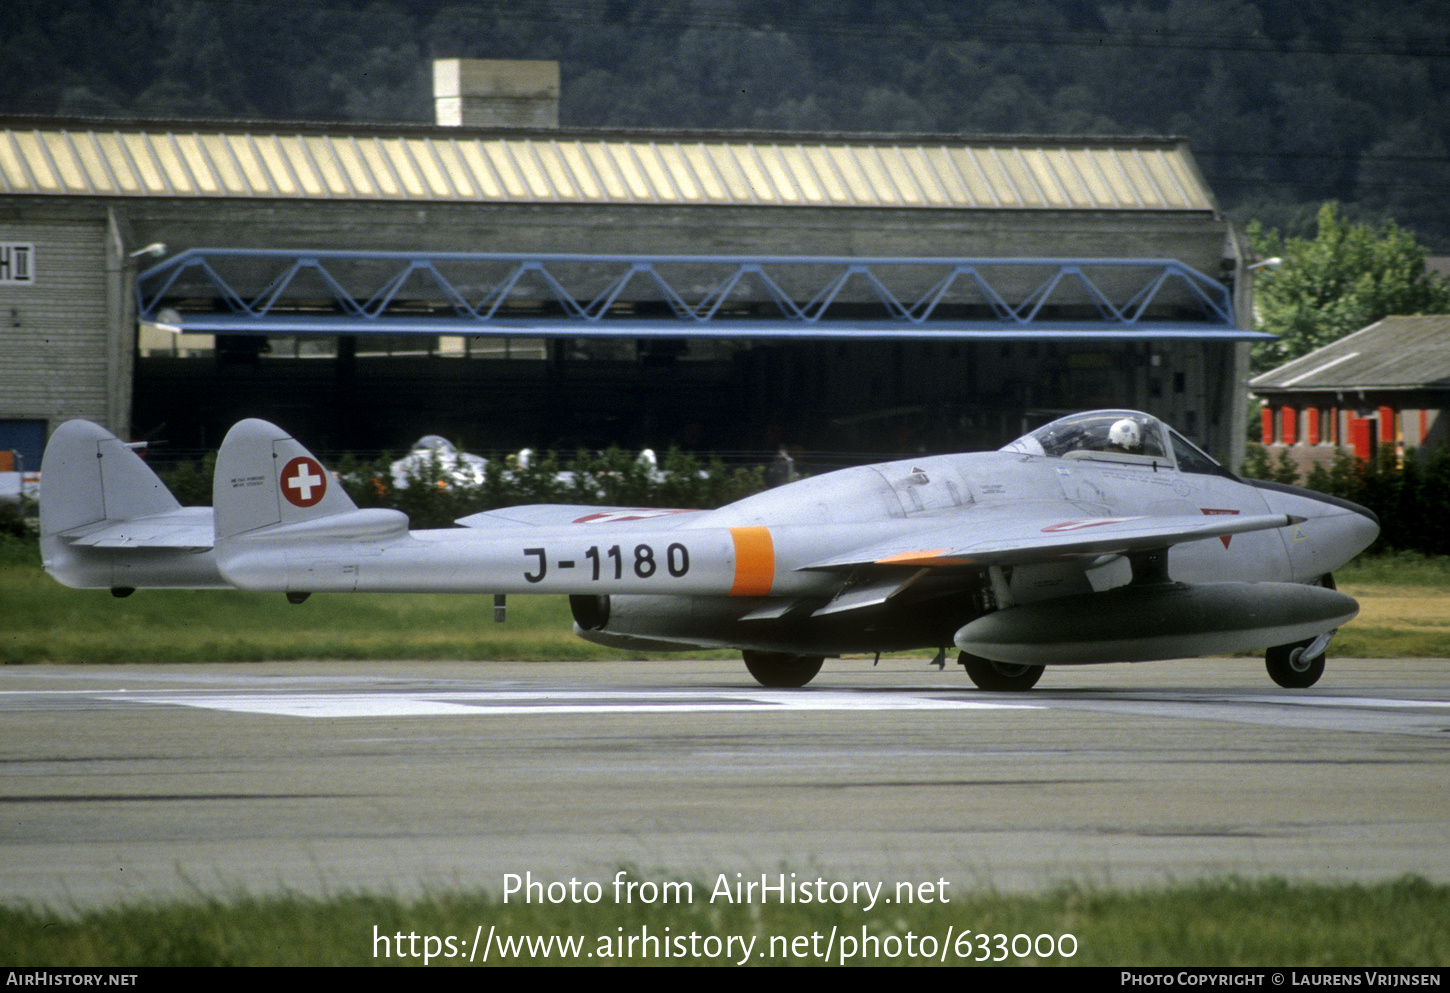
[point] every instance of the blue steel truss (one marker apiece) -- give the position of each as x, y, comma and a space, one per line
289, 292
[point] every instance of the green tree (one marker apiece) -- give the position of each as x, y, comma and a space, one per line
1345, 278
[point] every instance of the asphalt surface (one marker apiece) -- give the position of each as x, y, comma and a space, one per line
131, 783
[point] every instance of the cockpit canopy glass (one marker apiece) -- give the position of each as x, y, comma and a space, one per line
1116, 436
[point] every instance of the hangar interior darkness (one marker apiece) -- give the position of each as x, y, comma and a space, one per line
870, 398
851, 356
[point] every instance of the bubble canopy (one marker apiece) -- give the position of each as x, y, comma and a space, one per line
1126, 436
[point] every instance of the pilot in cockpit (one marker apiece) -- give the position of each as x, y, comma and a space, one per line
1125, 436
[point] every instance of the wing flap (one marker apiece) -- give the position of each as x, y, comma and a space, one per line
870, 594
1015, 540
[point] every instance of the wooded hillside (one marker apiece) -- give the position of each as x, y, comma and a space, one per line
1286, 104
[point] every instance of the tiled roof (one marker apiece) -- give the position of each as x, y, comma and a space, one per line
1395, 353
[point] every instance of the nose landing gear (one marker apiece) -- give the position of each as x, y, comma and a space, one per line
1298, 665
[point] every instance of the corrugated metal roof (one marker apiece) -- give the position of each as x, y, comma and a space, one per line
707, 169
1395, 353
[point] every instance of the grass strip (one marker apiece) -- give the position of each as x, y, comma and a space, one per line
45, 622
1222, 923
1405, 612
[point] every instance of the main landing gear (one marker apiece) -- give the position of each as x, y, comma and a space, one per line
780, 670
1004, 676
1293, 666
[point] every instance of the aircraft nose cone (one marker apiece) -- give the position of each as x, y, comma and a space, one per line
1359, 523
1334, 501
1354, 528
1365, 512
1365, 525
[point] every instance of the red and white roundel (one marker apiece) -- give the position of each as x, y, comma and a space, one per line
1092, 522
615, 516
304, 482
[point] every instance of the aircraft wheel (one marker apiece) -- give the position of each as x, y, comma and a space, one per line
1004, 676
1289, 667
779, 670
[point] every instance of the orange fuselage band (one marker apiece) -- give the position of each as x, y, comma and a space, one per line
754, 561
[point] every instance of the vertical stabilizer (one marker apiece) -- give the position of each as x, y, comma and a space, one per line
89, 476
265, 479
107, 521
283, 522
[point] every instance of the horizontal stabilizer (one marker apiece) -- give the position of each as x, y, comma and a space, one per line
359, 524
185, 527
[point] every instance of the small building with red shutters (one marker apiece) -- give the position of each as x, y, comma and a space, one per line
1387, 385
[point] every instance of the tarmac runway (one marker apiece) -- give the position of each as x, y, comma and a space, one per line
129, 783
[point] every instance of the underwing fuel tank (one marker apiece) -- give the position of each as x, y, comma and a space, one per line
1150, 622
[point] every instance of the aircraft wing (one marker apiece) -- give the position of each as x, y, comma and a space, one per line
1015, 539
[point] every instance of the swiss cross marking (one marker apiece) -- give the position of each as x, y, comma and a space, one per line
303, 482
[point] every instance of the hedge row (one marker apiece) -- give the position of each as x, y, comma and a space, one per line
1410, 494
440, 490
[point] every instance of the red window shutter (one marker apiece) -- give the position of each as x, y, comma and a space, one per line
1359, 436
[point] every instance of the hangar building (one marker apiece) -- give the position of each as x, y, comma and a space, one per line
506, 282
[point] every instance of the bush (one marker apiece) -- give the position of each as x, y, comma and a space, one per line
1410, 495
190, 482
14, 525
1256, 465
441, 491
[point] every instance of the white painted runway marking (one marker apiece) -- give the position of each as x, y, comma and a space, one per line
544, 702
351, 698
1348, 701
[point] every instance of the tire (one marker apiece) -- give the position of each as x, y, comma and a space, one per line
1290, 669
1004, 677
779, 670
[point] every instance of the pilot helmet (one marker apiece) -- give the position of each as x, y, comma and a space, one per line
1126, 435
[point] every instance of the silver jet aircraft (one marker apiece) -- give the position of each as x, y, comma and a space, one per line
1101, 537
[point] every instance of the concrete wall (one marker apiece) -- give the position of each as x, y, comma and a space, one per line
59, 357
1195, 239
